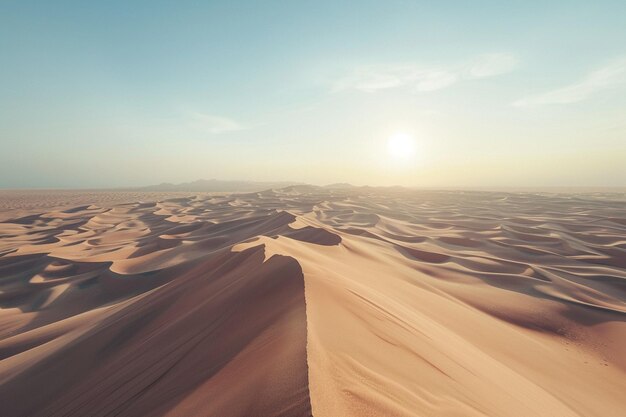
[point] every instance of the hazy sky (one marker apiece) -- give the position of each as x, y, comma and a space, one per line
497, 93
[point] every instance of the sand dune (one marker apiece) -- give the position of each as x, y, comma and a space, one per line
303, 301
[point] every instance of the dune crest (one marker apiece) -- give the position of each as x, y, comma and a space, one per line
316, 301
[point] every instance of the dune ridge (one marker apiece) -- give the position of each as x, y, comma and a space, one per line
338, 301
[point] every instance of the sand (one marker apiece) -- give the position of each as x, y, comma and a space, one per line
313, 301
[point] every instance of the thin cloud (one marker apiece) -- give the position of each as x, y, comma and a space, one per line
215, 124
601, 79
376, 78
382, 77
432, 80
491, 65
424, 78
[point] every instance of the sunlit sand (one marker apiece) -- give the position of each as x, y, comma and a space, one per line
305, 300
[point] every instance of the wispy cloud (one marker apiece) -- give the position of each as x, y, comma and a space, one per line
422, 77
374, 78
601, 79
215, 124
490, 65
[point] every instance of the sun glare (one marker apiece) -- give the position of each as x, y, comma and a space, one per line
401, 146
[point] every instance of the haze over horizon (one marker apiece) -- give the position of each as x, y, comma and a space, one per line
244, 186
400, 93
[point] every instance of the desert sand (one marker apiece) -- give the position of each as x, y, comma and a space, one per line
332, 302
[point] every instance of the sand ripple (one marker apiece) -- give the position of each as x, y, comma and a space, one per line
335, 302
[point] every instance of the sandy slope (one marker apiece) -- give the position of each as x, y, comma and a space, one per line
304, 300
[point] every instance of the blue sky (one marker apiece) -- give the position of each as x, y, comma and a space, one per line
493, 93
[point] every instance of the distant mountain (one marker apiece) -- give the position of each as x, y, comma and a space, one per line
340, 185
214, 185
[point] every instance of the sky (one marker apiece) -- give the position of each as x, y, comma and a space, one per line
488, 93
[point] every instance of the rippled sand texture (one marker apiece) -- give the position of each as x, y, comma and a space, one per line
300, 301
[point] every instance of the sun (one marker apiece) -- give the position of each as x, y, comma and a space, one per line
401, 146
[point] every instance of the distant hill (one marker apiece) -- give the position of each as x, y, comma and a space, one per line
214, 185
339, 186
